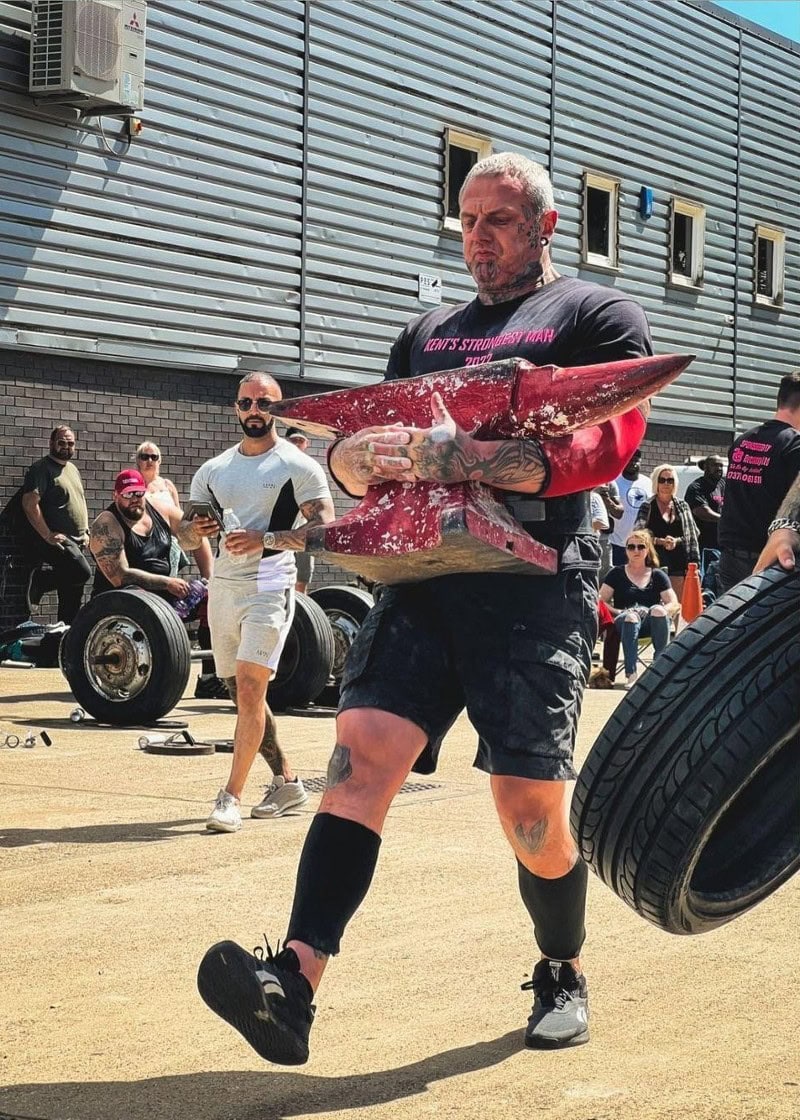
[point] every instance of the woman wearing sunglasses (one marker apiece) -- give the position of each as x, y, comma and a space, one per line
640, 598
672, 526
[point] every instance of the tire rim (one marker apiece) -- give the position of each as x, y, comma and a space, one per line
344, 629
117, 658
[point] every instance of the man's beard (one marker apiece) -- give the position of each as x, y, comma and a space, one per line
65, 454
264, 426
133, 515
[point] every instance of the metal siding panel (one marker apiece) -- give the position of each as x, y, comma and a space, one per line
385, 79
667, 120
192, 241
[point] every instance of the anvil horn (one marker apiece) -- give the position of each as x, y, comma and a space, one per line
508, 399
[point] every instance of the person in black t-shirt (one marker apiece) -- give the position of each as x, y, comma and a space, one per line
514, 649
762, 465
705, 497
641, 598
130, 542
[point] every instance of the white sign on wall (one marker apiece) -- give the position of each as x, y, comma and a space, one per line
429, 288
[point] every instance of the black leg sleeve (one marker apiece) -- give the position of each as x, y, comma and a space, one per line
558, 910
336, 869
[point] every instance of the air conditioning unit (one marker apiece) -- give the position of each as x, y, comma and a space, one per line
89, 53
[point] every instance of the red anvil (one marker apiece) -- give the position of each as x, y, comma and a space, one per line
405, 532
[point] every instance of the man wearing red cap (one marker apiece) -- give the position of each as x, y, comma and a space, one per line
130, 541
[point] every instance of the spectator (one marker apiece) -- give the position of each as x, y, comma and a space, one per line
163, 494
640, 598
762, 465
130, 542
671, 524
601, 527
632, 489
304, 560
704, 497
54, 505
609, 494
262, 482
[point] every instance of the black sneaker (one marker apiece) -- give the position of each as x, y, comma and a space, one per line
266, 998
560, 1015
211, 688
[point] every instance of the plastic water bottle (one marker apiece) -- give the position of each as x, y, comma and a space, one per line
196, 593
231, 522
151, 740
77, 715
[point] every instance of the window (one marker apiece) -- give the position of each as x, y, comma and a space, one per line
600, 243
769, 254
461, 151
687, 244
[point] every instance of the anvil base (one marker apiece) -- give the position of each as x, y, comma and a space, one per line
403, 533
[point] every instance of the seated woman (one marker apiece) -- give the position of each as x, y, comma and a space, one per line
640, 597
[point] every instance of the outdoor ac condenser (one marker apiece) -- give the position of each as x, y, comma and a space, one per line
89, 53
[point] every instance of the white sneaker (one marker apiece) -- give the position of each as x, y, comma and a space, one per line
631, 679
225, 816
279, 797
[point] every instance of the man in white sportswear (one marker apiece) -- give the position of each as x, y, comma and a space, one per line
634, 489
266, 482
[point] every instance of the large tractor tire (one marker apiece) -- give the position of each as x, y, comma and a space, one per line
346, 608
126, 657
688, 804
307, 658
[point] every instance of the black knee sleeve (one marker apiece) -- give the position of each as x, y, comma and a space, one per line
336, 869
558, 910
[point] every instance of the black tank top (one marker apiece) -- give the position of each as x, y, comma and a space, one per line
149, 554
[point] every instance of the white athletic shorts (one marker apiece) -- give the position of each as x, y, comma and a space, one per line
246, 624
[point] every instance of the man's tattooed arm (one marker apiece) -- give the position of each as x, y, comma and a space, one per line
790, 506
509, 464
320, 511
107, 545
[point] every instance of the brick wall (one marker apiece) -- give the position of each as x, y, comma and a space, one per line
670, 444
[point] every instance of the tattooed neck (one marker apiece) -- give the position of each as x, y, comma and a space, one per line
523, 285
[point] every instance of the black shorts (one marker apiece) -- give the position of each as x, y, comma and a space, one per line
514, 650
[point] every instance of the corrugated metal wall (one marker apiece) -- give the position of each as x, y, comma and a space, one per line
286, 192
186, 251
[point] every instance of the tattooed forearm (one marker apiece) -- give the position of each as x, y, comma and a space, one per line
512, 464
339, 768
320, 511
532, 840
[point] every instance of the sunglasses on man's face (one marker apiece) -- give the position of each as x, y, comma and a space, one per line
636, 547
147, 457
666, 481
263, 404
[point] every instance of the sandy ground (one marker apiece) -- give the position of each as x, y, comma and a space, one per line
112, 890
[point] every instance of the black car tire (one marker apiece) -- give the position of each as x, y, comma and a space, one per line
687, 804
346, 608
307, 658
149, 642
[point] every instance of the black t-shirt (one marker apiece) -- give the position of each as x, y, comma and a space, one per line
148, 554
627, 594
762, 465
565, 323
708, 492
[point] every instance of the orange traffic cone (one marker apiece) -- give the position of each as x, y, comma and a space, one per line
692, 597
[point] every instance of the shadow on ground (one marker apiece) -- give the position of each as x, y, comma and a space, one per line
271, 1095
134, 832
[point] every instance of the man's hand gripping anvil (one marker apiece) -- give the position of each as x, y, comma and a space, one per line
444, 453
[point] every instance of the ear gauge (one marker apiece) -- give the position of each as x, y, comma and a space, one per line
544, 241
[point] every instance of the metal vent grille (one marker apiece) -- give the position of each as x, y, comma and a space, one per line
97, 39
48, 43
317, 785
